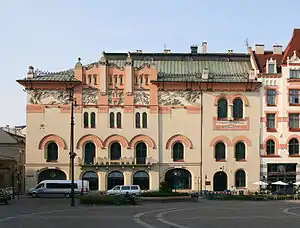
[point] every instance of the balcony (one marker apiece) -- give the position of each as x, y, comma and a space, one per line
122, 162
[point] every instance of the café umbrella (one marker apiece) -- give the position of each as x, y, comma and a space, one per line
260, 183
279, 183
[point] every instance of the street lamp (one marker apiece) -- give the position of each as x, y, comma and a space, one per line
72, 153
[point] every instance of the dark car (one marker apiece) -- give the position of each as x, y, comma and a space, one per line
287, 191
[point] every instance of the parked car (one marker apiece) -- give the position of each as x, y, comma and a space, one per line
123, 189
59, 187
287, 191
3, 196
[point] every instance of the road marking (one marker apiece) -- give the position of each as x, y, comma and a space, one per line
147, 212
137, 219
161, 219
287, 211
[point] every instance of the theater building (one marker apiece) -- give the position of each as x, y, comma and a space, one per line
190, 119
279, 73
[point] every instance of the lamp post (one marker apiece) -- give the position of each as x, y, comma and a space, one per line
72, 153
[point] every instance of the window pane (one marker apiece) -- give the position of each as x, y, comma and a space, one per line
271, 68
86, 120
294, 96
145, 120
271, 97
294, 73
220, 151
222, 108
271, 121
138, 120
238, 108
119, 123
293, 120
112, 120
93, 120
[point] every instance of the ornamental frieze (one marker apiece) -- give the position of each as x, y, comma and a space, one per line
89, 96
179, 98
141, 97
115, 97
49, 97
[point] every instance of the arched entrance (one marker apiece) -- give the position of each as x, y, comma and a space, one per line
114, 178
52, 174
220, 181
141, 178
179, 179
92, 178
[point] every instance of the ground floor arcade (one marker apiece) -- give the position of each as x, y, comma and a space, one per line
178, 178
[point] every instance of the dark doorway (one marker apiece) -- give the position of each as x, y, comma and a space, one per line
141, 178
92, 178
178, 179
220, 181
52, 174
115, 178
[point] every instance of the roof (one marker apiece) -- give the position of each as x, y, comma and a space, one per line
294, 45
44, 76
221, 67
6, 138
261, 60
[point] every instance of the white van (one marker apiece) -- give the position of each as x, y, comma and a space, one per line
59, 187
123, 189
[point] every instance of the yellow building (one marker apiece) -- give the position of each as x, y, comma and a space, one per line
191, 119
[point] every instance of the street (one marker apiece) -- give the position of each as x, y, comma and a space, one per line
49, 212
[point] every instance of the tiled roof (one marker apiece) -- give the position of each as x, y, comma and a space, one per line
261, 60
6, 138
189, 67
294, 45
67, 75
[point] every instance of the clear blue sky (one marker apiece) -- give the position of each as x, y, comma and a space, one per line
51, 35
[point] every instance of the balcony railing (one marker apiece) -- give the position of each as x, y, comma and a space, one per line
130, 161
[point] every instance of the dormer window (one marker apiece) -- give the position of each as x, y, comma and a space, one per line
271, 66
295, 74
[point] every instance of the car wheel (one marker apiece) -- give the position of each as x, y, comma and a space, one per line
67, 195
34, 195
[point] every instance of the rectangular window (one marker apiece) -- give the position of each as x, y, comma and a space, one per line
271, 121
90, 79
110, 79
294, 96
95, 79
295, 74
294, 121
116, 80
271, 68
271, 97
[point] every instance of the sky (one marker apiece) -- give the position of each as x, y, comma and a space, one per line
51, 34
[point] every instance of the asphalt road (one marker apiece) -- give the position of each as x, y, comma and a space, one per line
57, 213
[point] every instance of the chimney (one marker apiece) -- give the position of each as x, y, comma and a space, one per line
259, 49
167, 51
204, 47
277, 49
30, 72
139, 51
230, 51
249, 50
194, 49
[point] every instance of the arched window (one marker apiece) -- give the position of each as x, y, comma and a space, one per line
119, 120
220, 151
89, 153
115, 178
115, 151
240, 151
93, 180
178, 179
112, 120
137, 120
238, 109
222, 108
85, 120
141, 178
240, 179
141, 153
145, 120
293, 146
52, 152
270, 147
177, 152
93, 120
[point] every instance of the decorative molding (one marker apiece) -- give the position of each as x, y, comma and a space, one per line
179, 98
115, 97
141, 97
89, 96
50, 97
231, 125
294, 58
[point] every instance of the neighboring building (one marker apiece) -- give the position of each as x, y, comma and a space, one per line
279, 72
190, 119
12, 159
